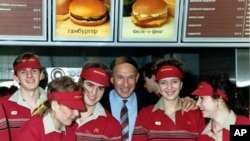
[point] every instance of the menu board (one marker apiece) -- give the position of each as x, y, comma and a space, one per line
23, 19
148, 20
217, 20
83, 20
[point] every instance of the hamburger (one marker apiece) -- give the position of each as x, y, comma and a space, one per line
149, 13
62, 9
171, 7
88, 12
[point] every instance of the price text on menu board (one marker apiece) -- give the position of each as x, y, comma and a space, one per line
218, 18
21, 17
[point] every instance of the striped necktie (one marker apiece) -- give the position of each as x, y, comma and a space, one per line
124, 121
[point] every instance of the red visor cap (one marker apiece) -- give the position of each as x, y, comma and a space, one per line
28, 63
96, 75
204, 89
168, 71
73, 99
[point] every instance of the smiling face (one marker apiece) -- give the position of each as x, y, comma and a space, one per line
170, 87
124, 79
208, 106
93, 92
28, 78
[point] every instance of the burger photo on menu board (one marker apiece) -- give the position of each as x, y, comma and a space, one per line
88, 12
62, 9
171, 7
149, 13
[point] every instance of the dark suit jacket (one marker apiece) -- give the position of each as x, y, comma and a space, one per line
143, 99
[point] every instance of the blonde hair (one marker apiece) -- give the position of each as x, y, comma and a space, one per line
60, 84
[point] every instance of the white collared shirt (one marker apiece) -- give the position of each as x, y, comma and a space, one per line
98, 111
230, 120
17, 97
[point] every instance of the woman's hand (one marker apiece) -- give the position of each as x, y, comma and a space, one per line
188, 104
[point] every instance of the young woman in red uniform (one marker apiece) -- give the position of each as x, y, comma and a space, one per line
97, 123
50, 122
217, 100
166, 116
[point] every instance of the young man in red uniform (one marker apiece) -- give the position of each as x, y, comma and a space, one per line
51, 120
97, 123
167, 115
17, 108
218, 101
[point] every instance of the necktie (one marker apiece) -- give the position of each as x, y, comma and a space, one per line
124, 121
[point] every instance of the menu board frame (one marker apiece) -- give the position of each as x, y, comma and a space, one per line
44, 27
84, 31
207, 39
145, 35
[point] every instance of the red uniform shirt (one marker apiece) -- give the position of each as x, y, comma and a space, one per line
207, 133
34, 130
4, 132
14, 112
152, 119
101, 125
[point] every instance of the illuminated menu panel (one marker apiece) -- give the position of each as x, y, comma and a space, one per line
71, 24
217, 20
159, 25
23, 18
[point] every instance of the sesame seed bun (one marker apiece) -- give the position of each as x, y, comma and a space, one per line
88, 12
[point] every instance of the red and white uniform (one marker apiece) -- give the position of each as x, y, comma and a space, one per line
207, 133
41, 128
153, 118
101, 125
14, 111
